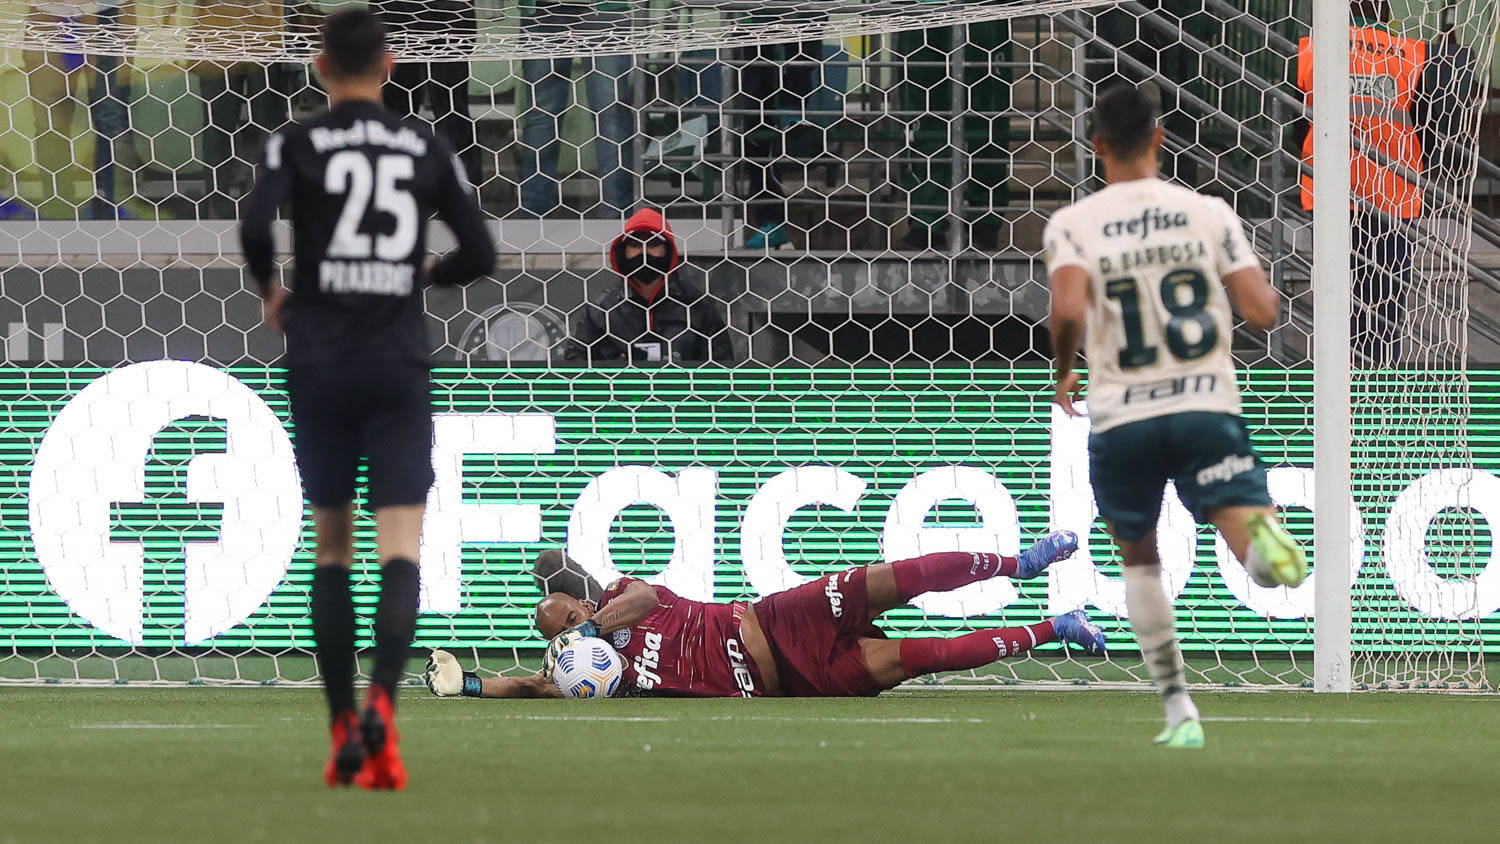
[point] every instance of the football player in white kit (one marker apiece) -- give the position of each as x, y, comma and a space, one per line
1143, 274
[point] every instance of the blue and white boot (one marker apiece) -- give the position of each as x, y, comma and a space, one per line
1052, 548
1075, 628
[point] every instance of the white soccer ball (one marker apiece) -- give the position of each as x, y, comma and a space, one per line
588, 668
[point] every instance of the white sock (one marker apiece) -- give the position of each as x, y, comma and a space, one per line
1155, 627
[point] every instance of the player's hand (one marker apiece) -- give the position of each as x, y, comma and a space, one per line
444, 677
272, 307
562, 640
1069, 389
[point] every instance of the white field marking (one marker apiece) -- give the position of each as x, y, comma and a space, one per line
654, 719
127, 726
1268, 720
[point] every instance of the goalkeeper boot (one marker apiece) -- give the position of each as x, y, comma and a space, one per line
1281, 560
1052, 548
1075, 628
1187, 735
348, 754
383, 769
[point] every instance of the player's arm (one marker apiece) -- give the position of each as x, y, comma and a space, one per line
1252, 295
258, 214
626, 608
1068, 279
534, 686
458, 207
445, 678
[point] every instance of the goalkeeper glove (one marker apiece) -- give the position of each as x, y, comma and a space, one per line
445, 679
562, 640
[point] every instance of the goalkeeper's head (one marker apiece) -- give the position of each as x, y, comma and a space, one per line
354, 58
1126, 136
555, 571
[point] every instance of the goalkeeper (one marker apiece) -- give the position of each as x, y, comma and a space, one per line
814, 640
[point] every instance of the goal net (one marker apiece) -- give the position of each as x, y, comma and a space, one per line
858, 188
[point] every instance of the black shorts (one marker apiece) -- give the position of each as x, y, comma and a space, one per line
381, 412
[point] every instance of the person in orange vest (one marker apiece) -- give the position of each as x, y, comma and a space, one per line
1386, 80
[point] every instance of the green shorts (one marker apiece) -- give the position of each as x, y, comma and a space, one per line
1207, 455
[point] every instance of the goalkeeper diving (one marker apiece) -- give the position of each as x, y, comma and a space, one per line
814, 640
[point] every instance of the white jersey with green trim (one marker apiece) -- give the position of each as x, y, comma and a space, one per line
1159, 321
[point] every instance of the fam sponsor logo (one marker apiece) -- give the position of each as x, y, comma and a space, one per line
92, 458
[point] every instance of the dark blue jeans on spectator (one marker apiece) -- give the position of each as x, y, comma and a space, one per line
549, 82
109, 111
1380, 263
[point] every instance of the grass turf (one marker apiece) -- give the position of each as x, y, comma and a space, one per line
123, 764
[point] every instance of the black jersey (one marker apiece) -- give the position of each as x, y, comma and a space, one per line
361, 186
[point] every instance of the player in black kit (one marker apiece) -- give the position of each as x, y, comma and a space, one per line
361, 187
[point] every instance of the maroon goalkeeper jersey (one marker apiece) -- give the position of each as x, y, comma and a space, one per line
684, 647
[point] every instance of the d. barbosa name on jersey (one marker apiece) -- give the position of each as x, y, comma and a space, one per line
1176, 253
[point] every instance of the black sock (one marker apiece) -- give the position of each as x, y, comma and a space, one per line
333, 631
395, 621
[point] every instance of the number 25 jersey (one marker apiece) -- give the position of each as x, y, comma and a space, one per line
361, 186
1159, 319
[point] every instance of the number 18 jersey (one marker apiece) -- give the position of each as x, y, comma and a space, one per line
1159, 320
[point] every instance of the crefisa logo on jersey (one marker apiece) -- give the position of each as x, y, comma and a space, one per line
514, 333
1151, 220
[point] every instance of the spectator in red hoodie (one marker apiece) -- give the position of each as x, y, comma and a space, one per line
656, 315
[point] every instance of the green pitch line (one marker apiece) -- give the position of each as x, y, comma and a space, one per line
132, 764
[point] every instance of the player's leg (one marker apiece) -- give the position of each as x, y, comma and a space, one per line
332, 605
398, 535
1128, 468
328, 462
1269, 554
1223, 481
891, 663
1154, 623
397, 441
891, 585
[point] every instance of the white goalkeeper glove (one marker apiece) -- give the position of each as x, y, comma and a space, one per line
562, 640
445, 679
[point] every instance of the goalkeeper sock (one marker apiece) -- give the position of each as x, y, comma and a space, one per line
1155, 626
395, 621
982, 647
333, 635
942, 572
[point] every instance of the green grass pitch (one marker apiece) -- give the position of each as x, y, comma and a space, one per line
191, 764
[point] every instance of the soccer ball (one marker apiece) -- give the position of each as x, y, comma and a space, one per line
588, 668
